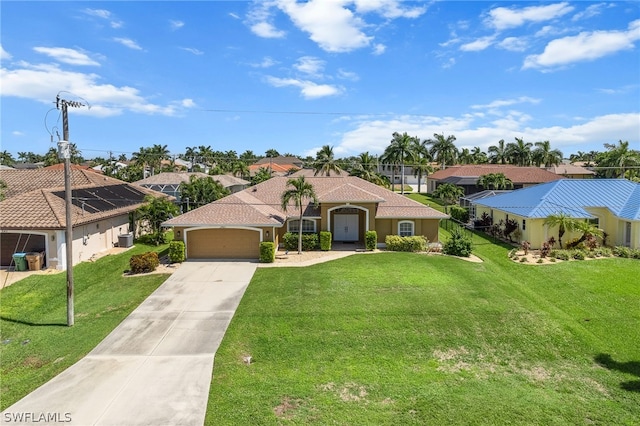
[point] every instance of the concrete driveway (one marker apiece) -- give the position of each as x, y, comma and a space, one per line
155, 367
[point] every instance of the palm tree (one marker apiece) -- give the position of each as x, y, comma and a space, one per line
543, 154
366, 167
421, 167
443, 149
51, 157
263, 173
6, 158
200, 191
495, 181
448, 193
298, 190
240, 168
465, 156
402, 149
325, 162
142, 158
563, 221
519, 152
498, 153
617, 158
479, 157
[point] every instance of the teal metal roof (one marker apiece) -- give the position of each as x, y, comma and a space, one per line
572, 197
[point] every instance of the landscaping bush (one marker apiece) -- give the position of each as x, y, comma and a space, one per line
560, 254
626, 252
309, 241
459, 213
144, 263
267, 252
176, 251
578, 254
370, 240
325, 240
411, 244
603, 252
458, 245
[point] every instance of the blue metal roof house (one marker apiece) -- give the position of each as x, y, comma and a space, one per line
612, 204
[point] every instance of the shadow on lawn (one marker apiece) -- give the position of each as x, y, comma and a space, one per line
631, 367
17, 321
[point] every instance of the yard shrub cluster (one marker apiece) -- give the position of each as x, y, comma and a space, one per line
267, 252
370, 240
626, 252
411, 244
143, 263
176, 251
325, 240
459, 213
458, 245
309, 241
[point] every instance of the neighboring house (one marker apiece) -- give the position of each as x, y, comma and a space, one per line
60, 166
169, 182
33, 215
466, 176
279, 166
234, 226
613, 205
117, 165
572, 171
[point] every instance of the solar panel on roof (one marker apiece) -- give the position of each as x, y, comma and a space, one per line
104, 198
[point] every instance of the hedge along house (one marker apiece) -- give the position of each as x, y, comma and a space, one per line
33, 214
348, 207
613, 205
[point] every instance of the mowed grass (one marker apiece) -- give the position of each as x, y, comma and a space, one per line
35, 342
400, 338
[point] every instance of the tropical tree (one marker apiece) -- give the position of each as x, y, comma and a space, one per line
421, 167
587, 229
325, 162
6, 158
448, 193
142, 157
51, 157
519, 152
465, 156
443, 150
366, 167
153, 213
156, 154
262, 174
544, 155
200, 191
479, 157
271, 153
495, 181
617, 159
498, 153
562, 221
401, 149
240, 168
297, 191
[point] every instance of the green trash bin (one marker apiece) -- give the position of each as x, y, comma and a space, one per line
20, 260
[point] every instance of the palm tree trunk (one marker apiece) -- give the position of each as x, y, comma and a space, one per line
300, 231
402, 180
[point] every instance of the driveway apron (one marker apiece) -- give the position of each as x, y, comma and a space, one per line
155, 367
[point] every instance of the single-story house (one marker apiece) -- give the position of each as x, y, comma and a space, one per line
234, 226
279, 166
33, 214
466, 176
613, 205
572, 171
169, 182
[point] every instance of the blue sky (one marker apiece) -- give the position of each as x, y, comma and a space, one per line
290, 75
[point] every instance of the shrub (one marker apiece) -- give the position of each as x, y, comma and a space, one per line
526, 245
523, 260
603, 252
370, 240
621, 251
560, 254
483, 222
509, 227
143, 263
545, 249
325, 240
267, 252
309, 241
459, 213
458, 245
578, 254
411, 244
176, 251
539, 261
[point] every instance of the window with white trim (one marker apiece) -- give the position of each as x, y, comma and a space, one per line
308, 225
405, 228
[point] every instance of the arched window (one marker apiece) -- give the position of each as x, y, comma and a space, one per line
406, 228
308, 225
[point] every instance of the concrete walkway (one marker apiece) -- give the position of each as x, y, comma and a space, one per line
155, 367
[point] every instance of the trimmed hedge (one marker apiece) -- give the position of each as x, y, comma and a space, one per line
459, 213
411, 244
143, 263
458, 245
267, 252
309, 241
176, 251
370, 240
325, 240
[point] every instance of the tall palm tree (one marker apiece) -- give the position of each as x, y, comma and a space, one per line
325, 162
479, 157
401, 149
544, 155
519, 152
240, 169
617, 158
421, 167
443, 149
495, 181
465, 156
6, 158
298, 190
563, 221
498, 153
448, 193
366, 167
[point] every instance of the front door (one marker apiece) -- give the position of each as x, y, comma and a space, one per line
345, 227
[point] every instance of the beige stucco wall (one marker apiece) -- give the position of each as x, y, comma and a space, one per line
426, 227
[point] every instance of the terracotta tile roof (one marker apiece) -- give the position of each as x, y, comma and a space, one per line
35, 198
60, 166
260, 205
176, 178
518, 175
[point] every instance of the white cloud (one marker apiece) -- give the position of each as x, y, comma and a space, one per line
266, 30
175, 25
260, 19
67, 56
480, 44
127, 42
308, 89
514, 44
379, 49
188, 103
4, 55
590, 11
106, 15
390, 9
310, 65
35, 82
348, 75
502, 18
17, 133
267, 62
507, 102
193, 50
585, 46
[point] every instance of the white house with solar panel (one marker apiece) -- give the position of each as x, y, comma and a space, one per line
613, 205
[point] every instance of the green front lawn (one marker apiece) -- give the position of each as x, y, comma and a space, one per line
400, 338
35, 342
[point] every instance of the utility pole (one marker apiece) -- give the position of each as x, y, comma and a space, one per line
64, 151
